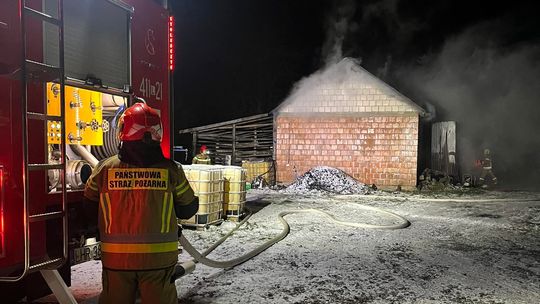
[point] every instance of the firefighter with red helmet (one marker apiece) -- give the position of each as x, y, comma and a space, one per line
202, 157
136, 192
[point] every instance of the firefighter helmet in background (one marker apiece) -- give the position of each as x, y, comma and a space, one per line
486, 152
138, 120
204, 148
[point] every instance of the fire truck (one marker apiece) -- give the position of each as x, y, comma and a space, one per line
68, 69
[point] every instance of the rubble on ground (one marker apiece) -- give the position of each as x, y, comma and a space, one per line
326, 180
434, 180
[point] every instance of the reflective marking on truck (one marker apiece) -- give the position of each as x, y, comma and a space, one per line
149, 89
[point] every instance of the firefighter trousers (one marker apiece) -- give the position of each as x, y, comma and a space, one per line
154, 286
487, 173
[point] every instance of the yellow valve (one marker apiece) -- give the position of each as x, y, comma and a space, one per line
83, 116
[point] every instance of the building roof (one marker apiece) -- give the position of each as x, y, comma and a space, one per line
346, 87
226, 124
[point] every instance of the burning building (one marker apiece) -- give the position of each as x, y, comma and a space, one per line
345, 117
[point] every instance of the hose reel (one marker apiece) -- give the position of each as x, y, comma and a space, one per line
110, 140
77, 173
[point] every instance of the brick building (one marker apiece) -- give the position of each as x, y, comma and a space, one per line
344, 117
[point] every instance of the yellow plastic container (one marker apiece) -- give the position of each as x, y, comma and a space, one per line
235, 179
234, 196
204, 179
259, 168
207, 183
203, 219
234, 173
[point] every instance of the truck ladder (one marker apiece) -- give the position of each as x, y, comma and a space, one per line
33, 71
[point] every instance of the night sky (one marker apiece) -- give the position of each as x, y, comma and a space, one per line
475, 62
240, 58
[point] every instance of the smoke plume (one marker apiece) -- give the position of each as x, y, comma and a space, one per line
338, 23
478, 67
492, 91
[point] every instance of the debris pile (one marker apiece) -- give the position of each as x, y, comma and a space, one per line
434, 180
321, 180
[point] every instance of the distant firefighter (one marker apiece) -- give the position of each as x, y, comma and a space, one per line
202, 157
487, 170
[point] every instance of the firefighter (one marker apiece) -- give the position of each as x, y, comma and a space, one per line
202, 157
487, 170
136, 192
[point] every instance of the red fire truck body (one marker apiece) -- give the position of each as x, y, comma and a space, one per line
107, 51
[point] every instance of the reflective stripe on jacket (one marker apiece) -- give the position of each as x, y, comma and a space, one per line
137, 223
201, 158
486, 164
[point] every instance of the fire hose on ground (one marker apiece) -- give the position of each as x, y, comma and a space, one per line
189, 266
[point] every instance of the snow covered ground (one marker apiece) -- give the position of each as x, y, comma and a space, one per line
453, 252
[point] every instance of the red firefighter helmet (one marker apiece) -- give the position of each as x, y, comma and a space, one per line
137, 120
203, 148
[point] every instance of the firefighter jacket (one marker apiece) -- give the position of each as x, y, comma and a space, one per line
487, 164
201, 158
137, 224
